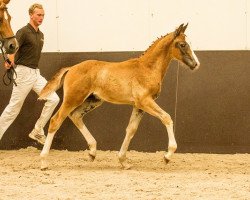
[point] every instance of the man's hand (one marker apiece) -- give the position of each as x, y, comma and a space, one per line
8, 65
10, 62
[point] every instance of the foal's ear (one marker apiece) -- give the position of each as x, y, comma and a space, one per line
178, 30
184, 28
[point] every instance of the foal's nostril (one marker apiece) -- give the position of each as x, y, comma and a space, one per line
12, 46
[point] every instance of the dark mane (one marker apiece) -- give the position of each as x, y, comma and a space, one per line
154, 43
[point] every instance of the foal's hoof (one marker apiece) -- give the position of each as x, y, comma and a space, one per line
44, 168
127, 166
44, 165
166, 160
91, 157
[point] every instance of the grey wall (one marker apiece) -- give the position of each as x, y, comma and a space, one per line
212, 108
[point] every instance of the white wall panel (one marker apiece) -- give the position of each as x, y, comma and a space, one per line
18, 9
103, 25
248, 24
213, 24
131, 25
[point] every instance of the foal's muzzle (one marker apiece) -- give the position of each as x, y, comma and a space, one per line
191, 63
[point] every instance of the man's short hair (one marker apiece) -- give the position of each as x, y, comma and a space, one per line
34, 6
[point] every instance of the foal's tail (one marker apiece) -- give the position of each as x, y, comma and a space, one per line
54, 84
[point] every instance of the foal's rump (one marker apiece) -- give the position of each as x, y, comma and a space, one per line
78, 70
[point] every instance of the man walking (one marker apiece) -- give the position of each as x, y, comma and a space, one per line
26, 59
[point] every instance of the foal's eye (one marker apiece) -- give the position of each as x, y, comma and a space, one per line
182, 45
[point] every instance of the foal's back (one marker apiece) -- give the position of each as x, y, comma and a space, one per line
110, 81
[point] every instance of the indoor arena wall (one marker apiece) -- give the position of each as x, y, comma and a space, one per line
210, 107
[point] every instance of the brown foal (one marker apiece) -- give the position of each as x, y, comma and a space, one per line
136, 82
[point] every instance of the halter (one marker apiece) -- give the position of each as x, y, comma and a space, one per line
10, 73
3, 39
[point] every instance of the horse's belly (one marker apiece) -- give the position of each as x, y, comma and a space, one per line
116, 97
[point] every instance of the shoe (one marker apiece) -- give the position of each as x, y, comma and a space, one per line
38, 136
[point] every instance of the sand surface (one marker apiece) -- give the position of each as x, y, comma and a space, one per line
72, 175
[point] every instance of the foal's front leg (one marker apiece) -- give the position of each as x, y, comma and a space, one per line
152, 108
130, 132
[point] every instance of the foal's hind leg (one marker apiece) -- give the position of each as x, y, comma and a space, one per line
76, 116
68, 105
130, 132
55, 123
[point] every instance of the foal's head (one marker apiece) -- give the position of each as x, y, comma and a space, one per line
181, 50
7, 37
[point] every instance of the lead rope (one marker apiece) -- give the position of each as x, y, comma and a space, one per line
10, 73
176, 96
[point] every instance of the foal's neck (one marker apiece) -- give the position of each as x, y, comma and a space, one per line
158, 56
